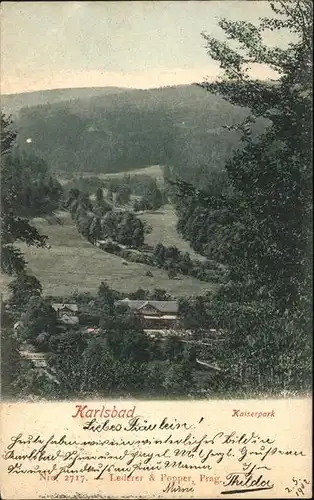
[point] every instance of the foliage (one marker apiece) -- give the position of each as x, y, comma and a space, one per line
178, 379
143, 186
106, 297
175, 261
94, 230
104, 223
260, 226
152, 200
123, 194
27, 190
34, 192
115, 133
124, 228
130, 230
65, 362
86, 184
262, 229
22, 289
11, 364
172, 348
139, 294
253, 216
159, 294
124, 335
101, 206
39, 322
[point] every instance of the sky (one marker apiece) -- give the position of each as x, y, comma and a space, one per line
140, 44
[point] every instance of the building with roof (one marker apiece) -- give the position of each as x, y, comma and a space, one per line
66, 313
155, 314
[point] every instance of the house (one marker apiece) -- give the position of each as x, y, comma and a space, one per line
155, 314
66, 313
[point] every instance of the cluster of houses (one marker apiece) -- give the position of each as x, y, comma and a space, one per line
159, 318
155, 315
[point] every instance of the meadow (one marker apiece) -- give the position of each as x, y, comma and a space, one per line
72, 263
163, 224
154, 171
162, 221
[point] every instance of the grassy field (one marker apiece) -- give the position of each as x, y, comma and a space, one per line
154, 171
74, 264
163, 222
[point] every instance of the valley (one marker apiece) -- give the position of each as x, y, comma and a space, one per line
72, 263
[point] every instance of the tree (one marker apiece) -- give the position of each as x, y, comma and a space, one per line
72, 201
124, 334
83, 223
128, 377
172, 254
270, 212
113, 362
130, 230
189, 355
139, 294
263, 225
173, 348
95, 230
10, 362
260, 227
172, 273
39, 319
160, 294
66, 362
154, 196
106, 297
159, 254
8, 135
137, 206
85, 202
22, 289
99, 194
39, 193
110, 196
155, 376
13, 226
148, 228
185, 263
178, 379
138, 237
101, 207
123, 194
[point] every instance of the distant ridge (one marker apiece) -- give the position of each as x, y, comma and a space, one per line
12, 103
113, 129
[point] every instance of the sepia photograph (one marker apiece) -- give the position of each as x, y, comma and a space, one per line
156, 202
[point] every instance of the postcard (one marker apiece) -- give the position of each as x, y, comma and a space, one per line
156, 208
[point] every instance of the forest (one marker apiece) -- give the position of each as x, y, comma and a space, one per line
177, 126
